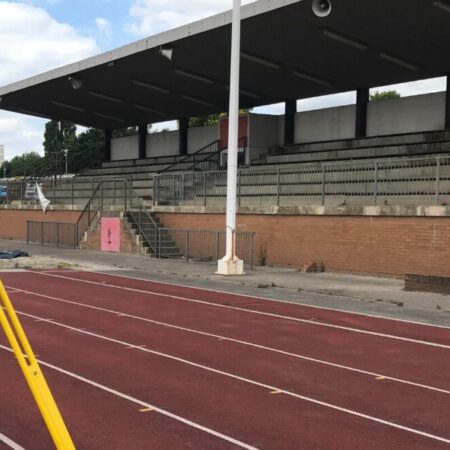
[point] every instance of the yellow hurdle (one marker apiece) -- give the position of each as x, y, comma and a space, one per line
33, 374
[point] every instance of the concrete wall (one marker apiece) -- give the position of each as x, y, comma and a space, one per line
357, 244
165, 143
325, 124
407, 115
199, 137
262, 134
124, 148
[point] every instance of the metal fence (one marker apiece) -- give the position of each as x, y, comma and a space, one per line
52, 233
202, 245
406, 181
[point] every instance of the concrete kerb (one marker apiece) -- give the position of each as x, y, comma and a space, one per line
382, 297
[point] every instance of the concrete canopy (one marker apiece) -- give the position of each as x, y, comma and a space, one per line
287, 53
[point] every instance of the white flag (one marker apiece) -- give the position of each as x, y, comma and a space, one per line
42, 200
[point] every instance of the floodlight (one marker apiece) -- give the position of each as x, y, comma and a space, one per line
76, 83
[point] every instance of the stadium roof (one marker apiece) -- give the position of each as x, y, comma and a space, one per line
287, 53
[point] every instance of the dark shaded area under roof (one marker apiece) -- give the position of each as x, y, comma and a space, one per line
287, 53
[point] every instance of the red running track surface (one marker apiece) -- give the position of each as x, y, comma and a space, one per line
220, 370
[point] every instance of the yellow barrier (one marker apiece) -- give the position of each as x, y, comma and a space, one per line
33, 374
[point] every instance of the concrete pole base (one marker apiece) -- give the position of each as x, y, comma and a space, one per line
230, 267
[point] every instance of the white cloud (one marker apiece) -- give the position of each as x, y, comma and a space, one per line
103, 26
31, 42
154, 16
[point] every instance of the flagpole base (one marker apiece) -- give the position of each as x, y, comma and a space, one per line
230, 267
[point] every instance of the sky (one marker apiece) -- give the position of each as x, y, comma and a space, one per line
39, 35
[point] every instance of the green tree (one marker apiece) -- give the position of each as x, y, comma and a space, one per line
212, 119
27, 164
386, 95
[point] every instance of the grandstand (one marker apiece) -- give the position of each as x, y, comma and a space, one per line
320, 183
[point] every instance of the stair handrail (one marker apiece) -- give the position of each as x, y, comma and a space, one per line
192, 156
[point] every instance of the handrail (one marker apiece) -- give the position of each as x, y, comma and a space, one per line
191, 156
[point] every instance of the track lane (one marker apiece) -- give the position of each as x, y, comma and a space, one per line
403, 359
250, 413
412, 330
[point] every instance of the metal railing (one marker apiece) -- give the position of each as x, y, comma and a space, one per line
405, 181
52, 233
204, 159
202, 245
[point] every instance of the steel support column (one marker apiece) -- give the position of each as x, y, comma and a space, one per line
447, 105
362, 101
142, 141
107, 146
289, 121
183, 136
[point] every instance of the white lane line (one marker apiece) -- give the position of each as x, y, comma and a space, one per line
238, 341
140, 403
306, 305
10, 443
261, 313
248, 381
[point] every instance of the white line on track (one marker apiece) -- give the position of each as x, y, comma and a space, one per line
10, 443
249, 381
140, 403
286, 302
238, 341
252, 311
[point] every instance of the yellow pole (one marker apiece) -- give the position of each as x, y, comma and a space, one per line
33, 374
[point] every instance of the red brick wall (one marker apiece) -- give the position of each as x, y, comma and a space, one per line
374, 245
13, 223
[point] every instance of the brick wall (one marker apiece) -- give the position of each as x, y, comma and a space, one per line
13, 222
373, 245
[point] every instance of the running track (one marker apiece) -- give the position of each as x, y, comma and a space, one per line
142, 365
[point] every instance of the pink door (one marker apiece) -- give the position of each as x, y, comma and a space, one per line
110, 231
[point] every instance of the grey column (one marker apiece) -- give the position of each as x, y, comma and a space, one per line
183, 136
142, 141
362, 101
107, 146
447, 105
289, 121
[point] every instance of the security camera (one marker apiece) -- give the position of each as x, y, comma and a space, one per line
321, 8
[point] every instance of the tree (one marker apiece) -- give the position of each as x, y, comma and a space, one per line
23, 165
212, 119
386, 95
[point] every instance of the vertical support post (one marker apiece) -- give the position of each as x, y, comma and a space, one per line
173, 189
114, 191
375, 185
28, 232
230, 264
183, 129
447, 105
239, 188
8, 192
278, 186
323, 185
438, 170
289, 121
217, 244
186, 243
42, 233
57, 234
159, 243
362, 101
142, 141
75, 234
101, 196
204, 189
107, 145
252, 247
71, 193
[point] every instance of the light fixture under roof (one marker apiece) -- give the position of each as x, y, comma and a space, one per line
67, 106
345, 40
166, 52
196, 100
76, 83
152, 87
443, 5
261, 61
34, 113
311, 78
399, 62
107, 116
149, 109
193, 76
105, 97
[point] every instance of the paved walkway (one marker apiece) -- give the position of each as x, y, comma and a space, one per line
363, 294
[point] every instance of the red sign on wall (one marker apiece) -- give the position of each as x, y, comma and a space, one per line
110, 232
223, 129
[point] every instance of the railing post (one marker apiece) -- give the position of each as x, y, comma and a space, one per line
323, 185
204, 189
438, 170
42, 233
101, 196
217, 244
57, 234
114, 192
278, 185
21, 191
54, 189
28, 232
239, 188
252, 243
125, 200
8, 195
72, 193
173, 189
375, 185
75, 234
159, 244
187, 245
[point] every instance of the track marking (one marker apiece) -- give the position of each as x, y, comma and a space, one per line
306, 305
255, 383
237, 341
144, 410
142, 404
10, 443
261, 313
